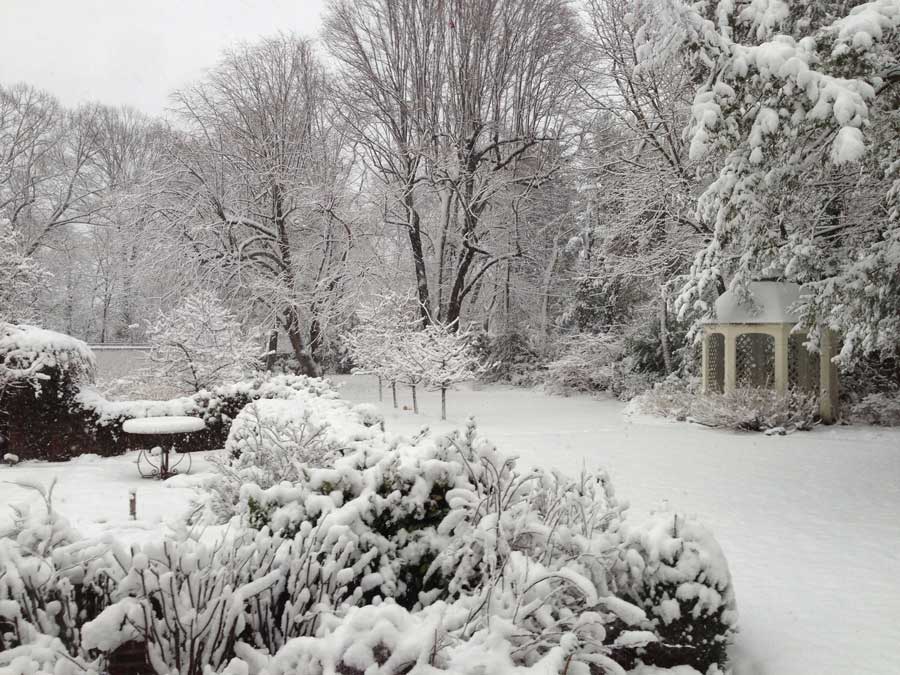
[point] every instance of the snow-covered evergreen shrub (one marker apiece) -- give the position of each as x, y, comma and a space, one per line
511, 358
452, 522
592, 363
41, 372
675, 570
883, 409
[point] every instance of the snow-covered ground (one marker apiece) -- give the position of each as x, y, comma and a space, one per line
810, 522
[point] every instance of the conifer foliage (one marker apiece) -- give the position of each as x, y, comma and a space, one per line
798, 109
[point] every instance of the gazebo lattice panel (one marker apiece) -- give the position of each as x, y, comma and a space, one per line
755, 360
716, 362
803, 365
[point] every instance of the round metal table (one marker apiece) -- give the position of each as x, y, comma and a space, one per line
157, 433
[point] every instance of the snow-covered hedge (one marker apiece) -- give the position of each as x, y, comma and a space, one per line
35, 355
40, 373
434, 555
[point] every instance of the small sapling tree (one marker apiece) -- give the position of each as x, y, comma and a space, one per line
447, 357
200, 343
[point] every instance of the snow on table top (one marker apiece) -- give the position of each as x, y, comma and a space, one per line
163, 425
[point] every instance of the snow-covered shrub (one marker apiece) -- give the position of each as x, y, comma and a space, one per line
675, 570
51, 584
511, 358
40, 374
186, 602
431, 555
744, 409
218, 407
595, 362
750, 409
451, 523
883, 409
671, 398
275, 440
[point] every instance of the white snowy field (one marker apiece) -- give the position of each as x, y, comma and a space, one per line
810, 522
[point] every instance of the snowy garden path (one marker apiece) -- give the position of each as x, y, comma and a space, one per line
809, 522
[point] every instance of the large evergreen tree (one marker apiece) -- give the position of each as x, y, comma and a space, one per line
802, 100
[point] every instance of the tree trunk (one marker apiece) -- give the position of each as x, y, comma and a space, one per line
545, 293
380, 390
272, 347
664, 337
443, 403
308, 365
415, 241
415, 400
394, 392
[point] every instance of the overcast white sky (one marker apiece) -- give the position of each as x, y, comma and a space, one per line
132, 51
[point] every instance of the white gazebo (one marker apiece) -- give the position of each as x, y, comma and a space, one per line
752, 344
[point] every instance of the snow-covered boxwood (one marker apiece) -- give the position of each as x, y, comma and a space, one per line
674, 569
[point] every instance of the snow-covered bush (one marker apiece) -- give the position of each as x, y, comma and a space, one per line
272, 441
883, 409
675, 570
200, 343
592, 363
41, 372
423, 556
218, 407
752, 409
510, 357
51, 584
744, 409
450, 528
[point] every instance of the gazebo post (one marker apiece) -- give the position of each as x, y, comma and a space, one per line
781, 336
704, 361
828, 392
730, 360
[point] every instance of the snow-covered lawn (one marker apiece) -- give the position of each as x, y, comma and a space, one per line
810, 522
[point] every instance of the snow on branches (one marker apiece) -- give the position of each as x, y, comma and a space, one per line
19, 276
405, 352
797, 108
200, 343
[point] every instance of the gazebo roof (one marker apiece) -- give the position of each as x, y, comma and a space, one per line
772, 302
